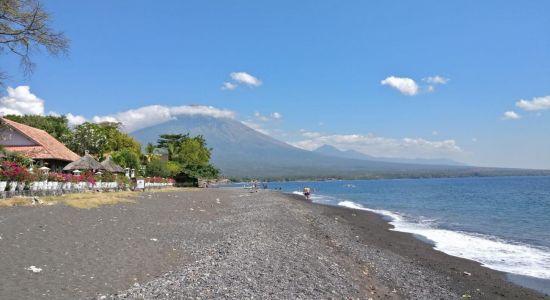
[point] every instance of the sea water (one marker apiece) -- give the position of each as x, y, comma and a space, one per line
501, 222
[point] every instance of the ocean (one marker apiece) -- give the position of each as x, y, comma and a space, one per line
501, 222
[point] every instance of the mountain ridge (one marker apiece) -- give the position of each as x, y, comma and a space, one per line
331, 150
242, 152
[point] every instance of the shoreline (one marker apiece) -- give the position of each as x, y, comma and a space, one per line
222, 243
401, 243
539, 285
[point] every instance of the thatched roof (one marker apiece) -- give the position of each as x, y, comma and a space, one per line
86, 162
111, 166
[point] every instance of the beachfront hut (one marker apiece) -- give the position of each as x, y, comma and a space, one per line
111, 166
86, 162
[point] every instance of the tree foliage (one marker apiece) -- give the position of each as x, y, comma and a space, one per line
167, 139
126, 158
100, 139
117, 140
150, 154
207, 171
185, 149
24, 28
191, 153
163, 168
56, 126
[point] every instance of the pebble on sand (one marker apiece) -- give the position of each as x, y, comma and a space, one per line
34, 269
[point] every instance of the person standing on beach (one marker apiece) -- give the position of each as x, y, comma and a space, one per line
307, 192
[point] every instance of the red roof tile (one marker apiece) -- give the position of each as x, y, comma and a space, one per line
47, 146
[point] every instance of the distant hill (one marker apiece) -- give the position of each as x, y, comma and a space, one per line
331, 150
242, 152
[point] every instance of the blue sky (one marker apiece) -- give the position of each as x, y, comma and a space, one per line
321, 65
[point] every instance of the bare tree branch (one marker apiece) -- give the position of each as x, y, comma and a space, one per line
24, 28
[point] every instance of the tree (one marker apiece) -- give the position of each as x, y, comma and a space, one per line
185, 149
150, 152
162, 168
88, 137
56, 126
126, 158
117, 139
24, 28
173, 151
166, 139
100, 139
191, 153
207, 171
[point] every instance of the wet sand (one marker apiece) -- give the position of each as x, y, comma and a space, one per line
227, 244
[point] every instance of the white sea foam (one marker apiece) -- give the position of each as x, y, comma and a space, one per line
318, 198
490, 251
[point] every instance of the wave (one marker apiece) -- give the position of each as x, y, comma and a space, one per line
317, 198
491, 252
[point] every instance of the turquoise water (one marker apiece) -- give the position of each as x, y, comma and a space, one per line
501, 222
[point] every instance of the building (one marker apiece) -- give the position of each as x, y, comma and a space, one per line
35, 143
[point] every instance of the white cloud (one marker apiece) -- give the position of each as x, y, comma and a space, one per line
256, 126
311, 134
510, 115
146, 116
406, 86
261, 117
538, 103
75, 120
435, 132
20, 101
383, 146
436, 79
245, 78
228, 86
474, 140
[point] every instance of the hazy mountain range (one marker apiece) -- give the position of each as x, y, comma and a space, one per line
333, 151
242, 152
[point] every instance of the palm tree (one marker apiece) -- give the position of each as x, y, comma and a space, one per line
173, 150
150, 152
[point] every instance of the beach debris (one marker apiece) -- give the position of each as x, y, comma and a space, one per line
36, 200
466, 295
467, 273
154, 240
191, 209
103, 297
34, 269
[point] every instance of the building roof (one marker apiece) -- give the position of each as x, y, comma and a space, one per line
86, 162
47, 147
111, 166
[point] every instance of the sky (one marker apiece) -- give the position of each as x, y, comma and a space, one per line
463, 80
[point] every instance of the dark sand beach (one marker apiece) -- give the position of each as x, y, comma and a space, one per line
227, 244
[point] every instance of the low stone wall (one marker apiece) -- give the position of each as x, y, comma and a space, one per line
60, 188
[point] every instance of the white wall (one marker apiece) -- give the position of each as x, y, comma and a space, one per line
11, 137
